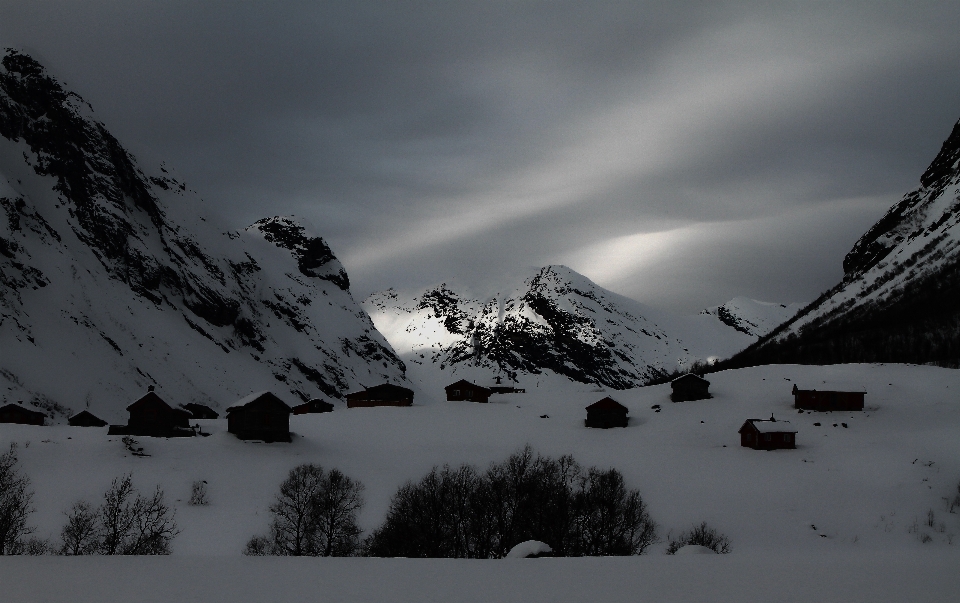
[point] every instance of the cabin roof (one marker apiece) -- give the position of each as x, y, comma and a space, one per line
382, 391
690, 377
770, 425
607, 403
84, 413
463, 383
263, 399
830, 388
149, 399
22, 409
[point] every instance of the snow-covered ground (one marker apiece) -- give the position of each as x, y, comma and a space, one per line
867, 488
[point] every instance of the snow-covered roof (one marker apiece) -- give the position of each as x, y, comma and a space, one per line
690, 376
772, 426
832, 387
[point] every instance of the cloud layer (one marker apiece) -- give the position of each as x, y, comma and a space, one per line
680, 155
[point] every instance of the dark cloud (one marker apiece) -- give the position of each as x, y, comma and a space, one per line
737, 149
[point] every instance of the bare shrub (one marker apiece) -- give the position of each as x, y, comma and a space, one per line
15, 504
701, 535
198, 493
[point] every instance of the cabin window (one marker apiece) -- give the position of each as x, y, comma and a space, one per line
456, 392
786, 437
766, 437
749, 437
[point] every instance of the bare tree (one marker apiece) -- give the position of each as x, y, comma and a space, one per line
315, 513
127, 523
80, 534
611, 520
15, 504
335, 509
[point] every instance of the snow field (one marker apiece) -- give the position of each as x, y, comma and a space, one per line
867, 486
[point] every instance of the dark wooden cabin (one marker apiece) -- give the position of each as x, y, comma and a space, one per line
86, 418
14, 413
824, 400
313, 406
690, 387
151, 416
606, 413
464, 391
260, 416
200, 411
767, 434
386, 394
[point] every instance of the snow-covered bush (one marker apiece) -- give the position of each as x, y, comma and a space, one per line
463, 513
15, 504
198, 493
126, 523
701, 535
315, 513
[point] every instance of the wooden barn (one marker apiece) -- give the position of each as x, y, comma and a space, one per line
86, 418
260, 416
200, 411
689, 387
313, 406
606, 413
767, 434
824, 400
464, 391
14, 413
151, 416
385, 394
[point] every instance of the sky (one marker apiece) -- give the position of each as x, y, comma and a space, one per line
679, 153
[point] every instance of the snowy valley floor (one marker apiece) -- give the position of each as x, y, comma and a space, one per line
843, 517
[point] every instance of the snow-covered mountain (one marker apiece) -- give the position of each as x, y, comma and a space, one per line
113, 280
548, 322
898, 298
752, 317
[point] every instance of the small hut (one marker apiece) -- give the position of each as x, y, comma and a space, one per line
260, 416
464, 391
200, 411
385, 394
690, 387
86, 418
499, 388
824, 400
14, 413
767, 434
606, 413
313, 406
151, 416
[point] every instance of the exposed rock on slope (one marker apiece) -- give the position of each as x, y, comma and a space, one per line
752, 317
898, 299
111, 280
554, 322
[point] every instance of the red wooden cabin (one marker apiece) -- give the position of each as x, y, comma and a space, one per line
465, 391
14, 413
767, 434
313, 406
385, 394
824, 400
606, 413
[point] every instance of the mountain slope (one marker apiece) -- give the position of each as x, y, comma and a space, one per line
898, 299
111, 280
752, 317
551, 321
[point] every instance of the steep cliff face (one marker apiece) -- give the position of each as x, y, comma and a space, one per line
112, 280
553, 322
898, 299
752, 317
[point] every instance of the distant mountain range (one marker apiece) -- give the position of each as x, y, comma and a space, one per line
553, 322
111, 279
898, 301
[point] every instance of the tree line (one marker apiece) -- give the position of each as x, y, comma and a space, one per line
456, 512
